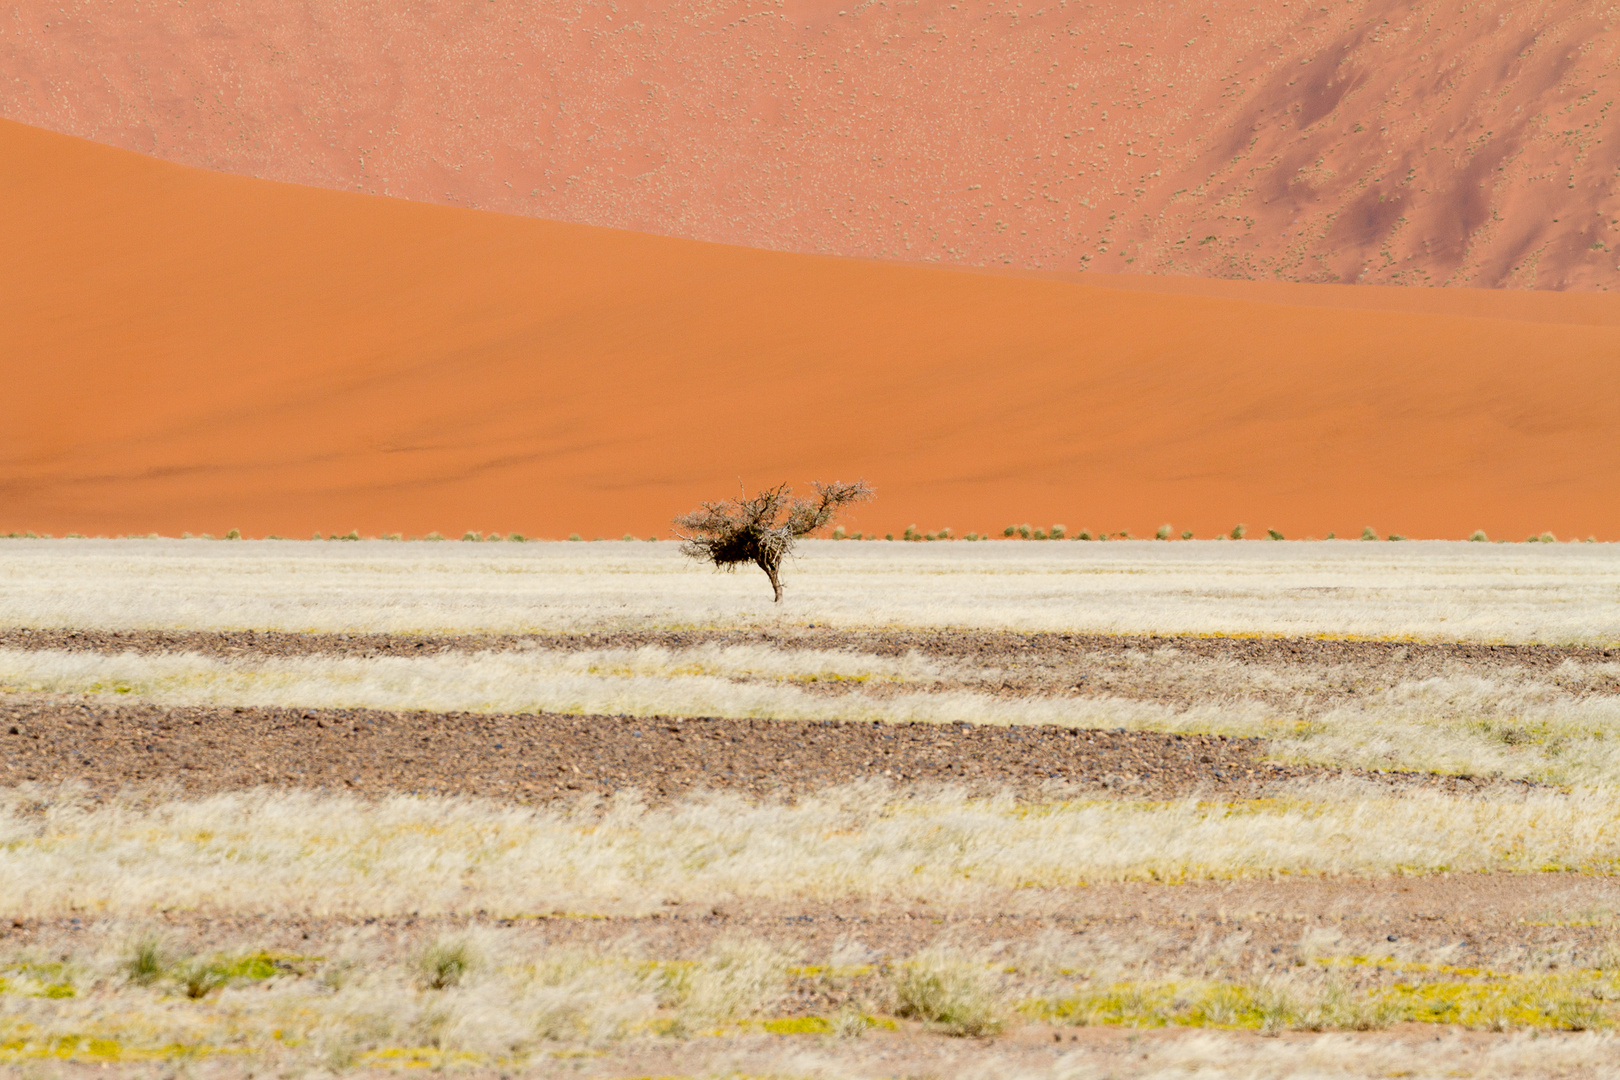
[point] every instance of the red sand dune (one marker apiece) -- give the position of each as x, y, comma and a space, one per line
1462, 142
188, 350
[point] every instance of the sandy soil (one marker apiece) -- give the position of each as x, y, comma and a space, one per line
1483, 918
280, 359
1419, 143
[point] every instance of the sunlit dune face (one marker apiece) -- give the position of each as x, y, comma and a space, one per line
192, 351
1418, 144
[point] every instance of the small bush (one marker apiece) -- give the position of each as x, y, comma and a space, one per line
1085, 534
911, 533
433, 536
1368, 533
146, 962
1162, 533
1025, 531
1394, 536
627, 536
950, 991
838, 533
471, 537
1058, 532
1239, 532
1186, 534
445, 963
1040, 534
1011, 530
518, 538
1274, 534
234, 534
574, 536
393, 536
1548, 538
888, 536
199, 978
1478, 536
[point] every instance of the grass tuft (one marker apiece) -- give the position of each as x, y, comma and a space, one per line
950, 991
445, 962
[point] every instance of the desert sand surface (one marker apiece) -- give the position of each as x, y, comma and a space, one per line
188, 350
1366, 141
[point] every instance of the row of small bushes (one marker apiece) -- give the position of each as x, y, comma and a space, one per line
911, 533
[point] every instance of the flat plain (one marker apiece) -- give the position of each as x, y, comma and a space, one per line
954, 809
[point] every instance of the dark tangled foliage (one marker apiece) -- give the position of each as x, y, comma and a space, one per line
762, 530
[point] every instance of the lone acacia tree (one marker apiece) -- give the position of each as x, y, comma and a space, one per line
763, 529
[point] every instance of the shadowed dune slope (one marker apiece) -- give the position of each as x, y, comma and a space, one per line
187, 350
1417, 142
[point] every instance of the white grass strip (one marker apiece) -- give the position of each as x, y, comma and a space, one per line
644, 682
279, 852
1560, 593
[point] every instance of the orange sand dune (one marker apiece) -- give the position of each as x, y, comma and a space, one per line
187, 350
1414, 142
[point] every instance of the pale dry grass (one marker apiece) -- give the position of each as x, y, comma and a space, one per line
1558, 726
736, 681
277, 852
365, 998
1431, 589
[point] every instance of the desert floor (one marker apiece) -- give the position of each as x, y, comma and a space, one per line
302, 808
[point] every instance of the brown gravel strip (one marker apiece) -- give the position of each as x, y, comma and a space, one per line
539, 758
980, 646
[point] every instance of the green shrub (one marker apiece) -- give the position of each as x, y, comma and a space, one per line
433, 536
1548, 538
1057, 532
950, 991
1186, 534
1011, 530
1274, 534
1368, 533
1025, 531
1239, 532
234, 534
1040, 534
146, 962
838, 532
1085, 534
445, 962
1478, 536
574, 536
1162, 533
470, 536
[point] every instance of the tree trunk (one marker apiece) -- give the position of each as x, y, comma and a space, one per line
771, 566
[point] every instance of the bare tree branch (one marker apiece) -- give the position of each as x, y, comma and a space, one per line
762, 530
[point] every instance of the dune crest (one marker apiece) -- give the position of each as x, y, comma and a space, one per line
189, 350
1420, 143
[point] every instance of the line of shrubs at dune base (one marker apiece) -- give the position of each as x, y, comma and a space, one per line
911, 533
